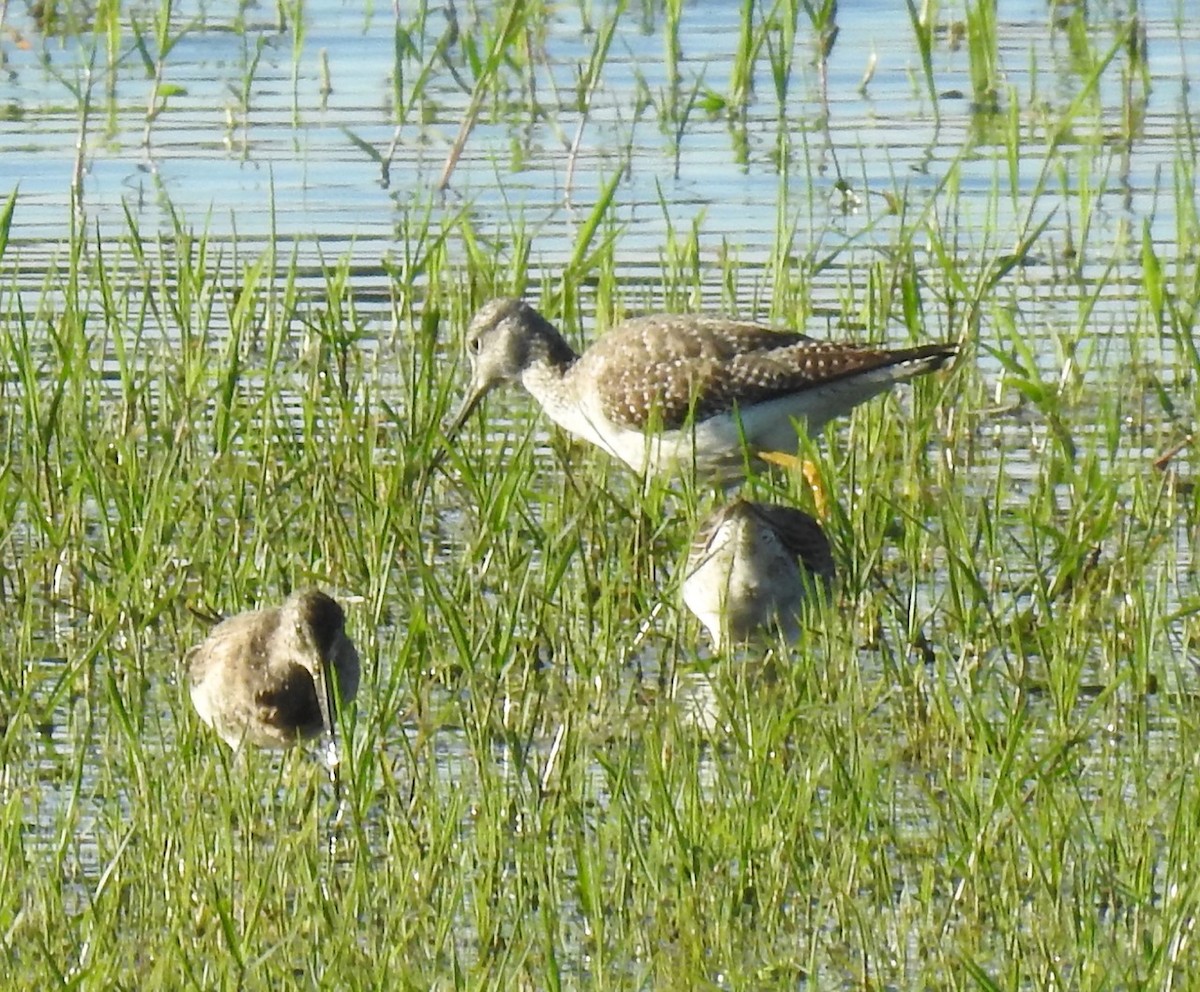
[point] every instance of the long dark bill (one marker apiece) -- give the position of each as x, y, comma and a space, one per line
461, 416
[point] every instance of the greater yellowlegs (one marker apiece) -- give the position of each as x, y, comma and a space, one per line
679, 392
262, 677
751, 568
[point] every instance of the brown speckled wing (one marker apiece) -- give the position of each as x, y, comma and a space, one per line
665, 366
757, 376
668, 369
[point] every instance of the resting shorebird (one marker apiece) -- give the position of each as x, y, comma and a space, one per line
677, 392
751, 568
262, 677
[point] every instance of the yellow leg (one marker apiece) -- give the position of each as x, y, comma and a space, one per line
812, 476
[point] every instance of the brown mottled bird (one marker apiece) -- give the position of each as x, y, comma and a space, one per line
680, 392
751, 570
263, 677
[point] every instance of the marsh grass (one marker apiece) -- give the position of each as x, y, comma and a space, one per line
976, 772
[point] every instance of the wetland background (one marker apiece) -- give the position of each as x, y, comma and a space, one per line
238, 250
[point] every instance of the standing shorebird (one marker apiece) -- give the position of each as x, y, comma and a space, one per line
751, 569
678, 392
262, 677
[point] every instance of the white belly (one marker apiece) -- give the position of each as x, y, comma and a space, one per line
717, 449
711, 449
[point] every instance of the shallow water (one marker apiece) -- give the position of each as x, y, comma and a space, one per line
217, 161
292, 144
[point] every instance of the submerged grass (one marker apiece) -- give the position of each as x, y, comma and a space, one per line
977, 772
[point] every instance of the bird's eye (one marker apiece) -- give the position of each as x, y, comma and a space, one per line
474, 345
